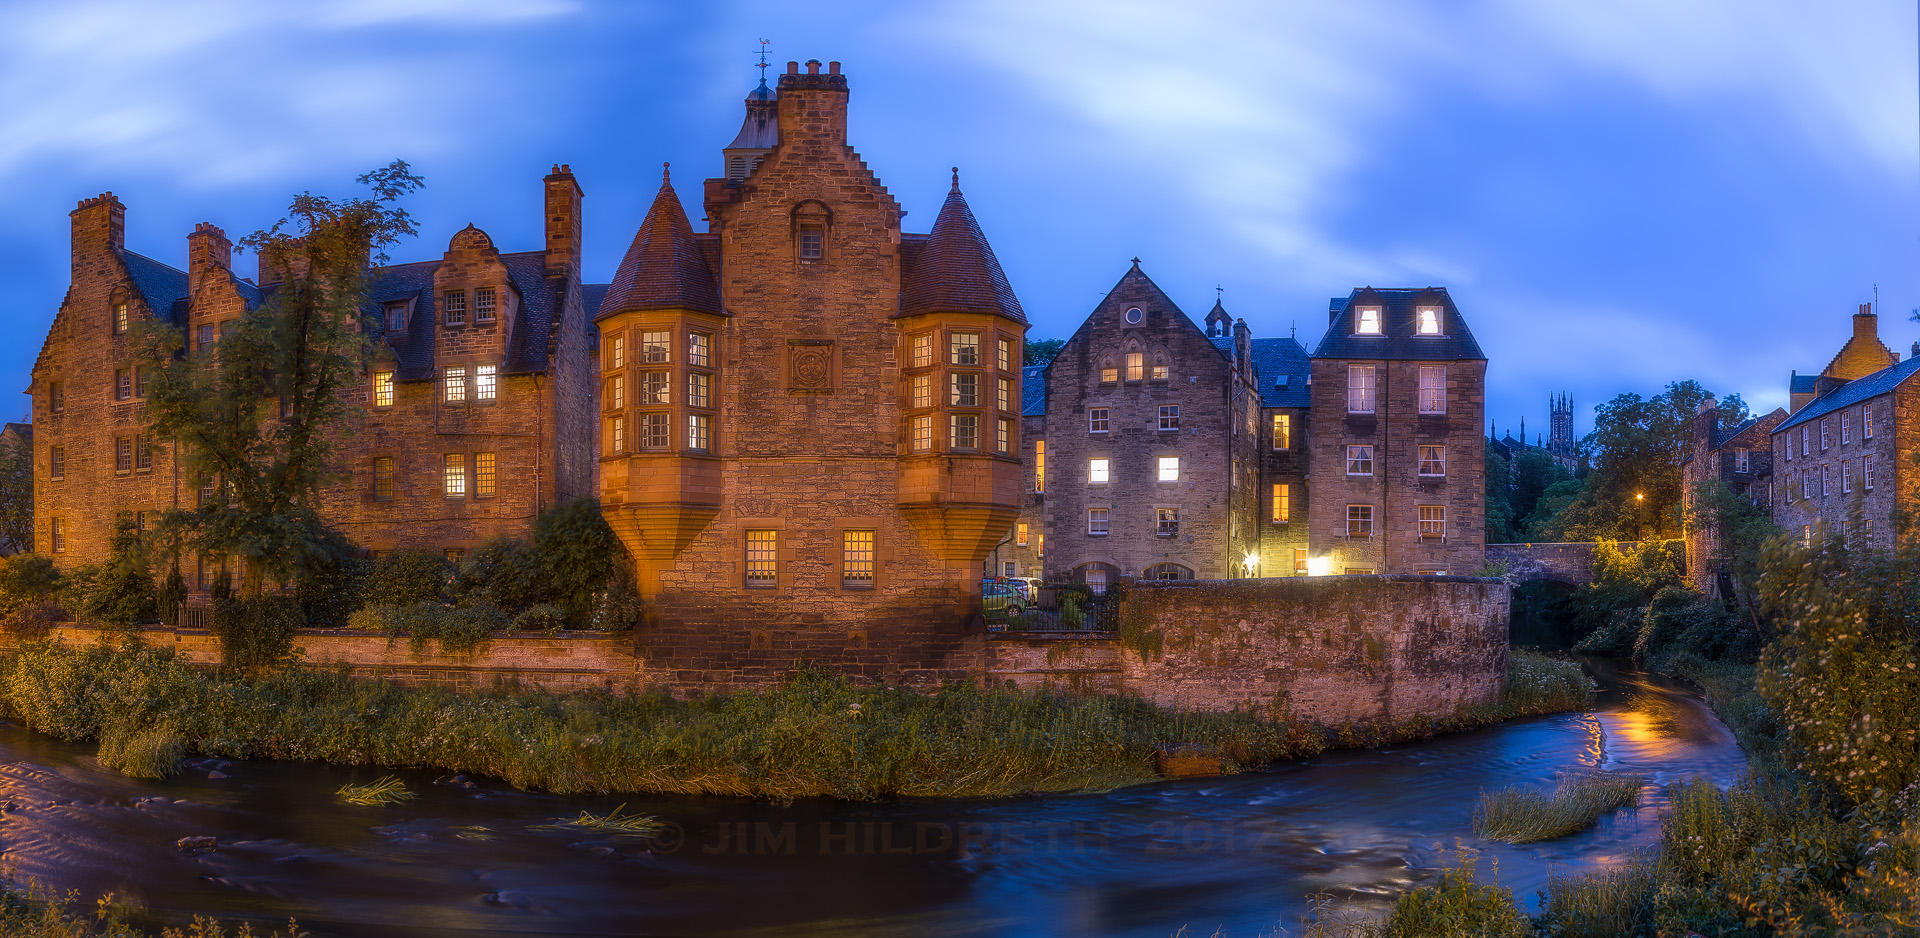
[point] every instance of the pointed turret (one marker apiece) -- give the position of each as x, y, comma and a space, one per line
664, 267
956, 271
1218, 322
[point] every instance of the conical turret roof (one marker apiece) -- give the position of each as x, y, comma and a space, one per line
664, 267
956, 271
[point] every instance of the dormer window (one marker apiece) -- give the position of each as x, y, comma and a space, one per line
1429, 323
1367, 321
483, 305
397, 316
455, 304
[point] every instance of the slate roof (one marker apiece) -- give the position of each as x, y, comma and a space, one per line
1398, 341
1276, 358
413, 349
1802, 384
955, 271
664, 267
159, 284
1853, 392
1033, 391
761, 129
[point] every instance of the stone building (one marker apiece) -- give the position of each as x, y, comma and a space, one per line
810, 419
474, 408
1398, 466
1741, 457
1282, 372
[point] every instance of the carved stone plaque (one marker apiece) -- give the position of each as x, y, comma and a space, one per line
810, 366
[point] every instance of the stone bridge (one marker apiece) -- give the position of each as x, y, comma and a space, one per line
1570, 563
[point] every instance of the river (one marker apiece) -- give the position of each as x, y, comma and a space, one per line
1240, 854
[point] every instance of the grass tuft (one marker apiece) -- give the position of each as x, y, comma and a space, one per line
142, 752
382, 791
1524, 815
613, 822
1600, 903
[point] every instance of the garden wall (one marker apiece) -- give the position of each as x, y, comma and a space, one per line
1331, 649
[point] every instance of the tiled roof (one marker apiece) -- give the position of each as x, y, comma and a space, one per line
1803, 384
1853, 392
539, 311
1033, 391
1398, 341
591, 296
159, 284
1277, 359
664, 267
956, 272
413, 348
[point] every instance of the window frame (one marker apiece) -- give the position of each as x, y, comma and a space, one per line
453, 384
1363, 384
1099, 470
1359, 455
1165, 464
1365, 315
1281, 429
486, 383
1166, 521
1420, 320
1424, 463
1169, 417
453, 302
969, 422
760, 558
656, 347
1360, 518
1098, 420
1281, 503
382, 471
1433, 398
485, 474
453, 475
1099, 521
1432, 527
855, 542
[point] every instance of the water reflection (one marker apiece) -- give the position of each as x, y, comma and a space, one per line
1240, 853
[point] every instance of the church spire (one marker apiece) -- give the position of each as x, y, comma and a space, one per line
1219, 323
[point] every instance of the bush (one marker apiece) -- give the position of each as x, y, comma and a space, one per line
255, 633
617, 608
581, 556
459, 629
121, 593
142, 752
504, 574
27, 580
405, 577
329, 579
544, 617
1459, 907
1523, 816
30, 622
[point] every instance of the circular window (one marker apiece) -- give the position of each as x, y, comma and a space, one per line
1134, 315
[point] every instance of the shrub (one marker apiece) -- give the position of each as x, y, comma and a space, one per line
544, 617
457, 629
328, 580
405, 577
581, 556
30, 622
27, 580
1458, 907
142, 752
121, 591
618, 607
256, 632
504, 574
1605, 903
1523, 816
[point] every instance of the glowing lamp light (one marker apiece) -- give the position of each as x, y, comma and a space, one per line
1319, 566
1252, 560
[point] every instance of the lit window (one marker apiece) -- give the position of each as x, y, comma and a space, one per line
812, 242
1004, 436
456, 384
454, 474
1020, 534
763, 563
1097, 470
617, 392
455, 304
1159, 367
698, 430
1096, 578
964, 431
1433, 521
454, 555
699, 349
1096, 420
483, 304
656, 348
616, 434
383, 389
143, 453
922, 434
1429, 320
1004, 396
1097, 522
965, 348
1166, 522
1299, 561
1282, 431
122, 455
1169, 416
383, 477
1741, 460
966, 390
1433, 459
1360, 389
120, 317
1136, 366
123, 384
654, 431
1360, 459
1003, 355
1433, 389
1039, 543
483, 474
1866, 422
1367, 322
1039, 465
922, 386
1282, 503
57, 535
1169, 468
1109, 373
485, 382
698, 385
397, 316
655, 388
856, 558
922, 350
617, 352
1359, 520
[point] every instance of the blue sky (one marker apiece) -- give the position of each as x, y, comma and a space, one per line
1618, 194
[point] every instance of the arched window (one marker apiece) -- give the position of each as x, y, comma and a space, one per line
1160, 371
1109, 372
1169, 571
812, 225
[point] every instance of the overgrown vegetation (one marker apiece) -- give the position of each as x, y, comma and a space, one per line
817, 735
31, 912
1521, 815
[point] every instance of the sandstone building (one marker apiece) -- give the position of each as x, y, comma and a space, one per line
1741, 457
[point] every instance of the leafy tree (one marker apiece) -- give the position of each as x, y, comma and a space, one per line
1500, 525
405, 577
255, 418
505, 574
122, 591
1042, 351
16, 498
1736, 532
27, 579
582, 556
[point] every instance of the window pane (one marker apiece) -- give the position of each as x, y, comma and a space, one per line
483, 304
654, 388
456, 385
698, 430
454, 302
965, 348
699, 349
856, 562
383, 389
654, 431
454, 474
966, 431
1433, 460
966, 390
922, 434
1096, 470
1433, 389
762, 558
698, 384
1169, 468
1360, 389
483, 473
656, 347
484, 382
1136, 366
383, 477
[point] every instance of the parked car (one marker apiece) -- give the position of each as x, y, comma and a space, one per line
1001, 603
1029, 587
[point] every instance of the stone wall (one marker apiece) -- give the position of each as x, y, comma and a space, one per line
1330, 649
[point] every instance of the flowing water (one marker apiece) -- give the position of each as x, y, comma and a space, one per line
1241, 854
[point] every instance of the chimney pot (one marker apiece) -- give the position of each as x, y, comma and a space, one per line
793, 68
813, 66
833, 68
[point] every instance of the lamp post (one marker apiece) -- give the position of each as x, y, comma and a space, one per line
1640, 513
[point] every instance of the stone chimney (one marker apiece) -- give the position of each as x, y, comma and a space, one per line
563, 221
813, 105
209, 253
99, 228
1866, 325
1243, 348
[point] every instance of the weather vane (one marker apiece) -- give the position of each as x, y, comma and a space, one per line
763, 61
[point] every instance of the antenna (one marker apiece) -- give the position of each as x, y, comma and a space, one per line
763, 61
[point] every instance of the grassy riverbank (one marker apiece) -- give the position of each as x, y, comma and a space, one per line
816, 736
28, 912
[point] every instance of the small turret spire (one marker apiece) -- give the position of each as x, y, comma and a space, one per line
666, 173
956, 179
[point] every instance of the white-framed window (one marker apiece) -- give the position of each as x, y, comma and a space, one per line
483, 305
486, 384
699, 432
1096, 420
1166, 522
1282, 431
1429, 320
964, 431
655, 431
1433, 521
920, 350
1866, 422
453, 474
922, 433
57, 536
699, 349
1741, 459
1866, 473
966, 389
1097, 470
383, 389
1433, 389
1846, 476
856, 558
1804, 436
1169, 416
1011, 568
1360, 386
1433, 459
1097, 522
1360, 459
1003, 436
656, 347
1823, 480
454, 304
1282, 503
1169, 468
1136, 366
456, 384
1359, 520
964, 349
123, 384
1826, 438
1020, 534
122, 455
763, 558
1846, 428
1096, 578
699, 389
922, 390
1366, 320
